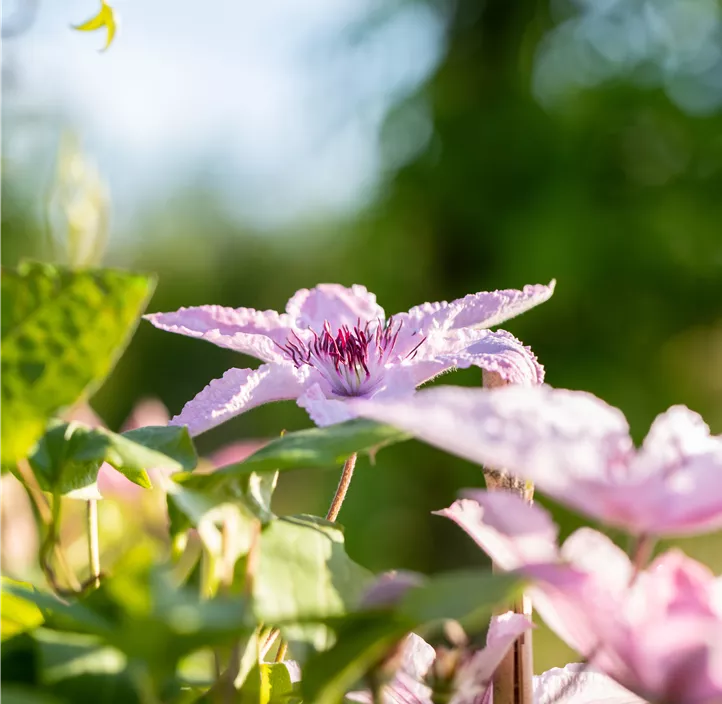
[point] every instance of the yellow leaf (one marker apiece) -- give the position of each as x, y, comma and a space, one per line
104, 18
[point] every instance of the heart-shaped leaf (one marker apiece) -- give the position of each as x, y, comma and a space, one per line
62, 332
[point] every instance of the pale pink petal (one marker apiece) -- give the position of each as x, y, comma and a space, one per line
476, 676
406, 687
324, 411
510, 531
674, 583
554, 437
674, 436
252, 332
577, 684
675, 659
482, 310
503, 353
417, 657
239, 390
326, 408
681, 464
564, 597
593, 552
333, 303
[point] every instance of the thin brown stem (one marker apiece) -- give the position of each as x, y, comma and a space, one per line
342, 488
282, 650
267, 644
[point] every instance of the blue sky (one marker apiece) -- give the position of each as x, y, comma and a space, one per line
280, 101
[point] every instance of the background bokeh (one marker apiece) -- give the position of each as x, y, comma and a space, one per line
424, 148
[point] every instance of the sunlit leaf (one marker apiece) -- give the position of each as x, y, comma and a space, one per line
304, 573
62, 333
226, 515
18, 614
69, 455
465, 596
267, 683
363, 640
316, 447
104, 19
71, 616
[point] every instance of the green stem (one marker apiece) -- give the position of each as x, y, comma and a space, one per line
93, 542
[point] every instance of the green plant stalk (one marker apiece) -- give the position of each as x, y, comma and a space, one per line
93, 541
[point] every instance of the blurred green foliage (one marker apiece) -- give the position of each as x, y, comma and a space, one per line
615, 193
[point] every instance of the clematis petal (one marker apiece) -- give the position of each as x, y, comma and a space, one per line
553, 437
675, 583
503, 353
675, 435
682, 464
577, 684
333, 303
512, 532
480, 310
593, 552
417, 657
243, 330
239, 390
324, 411
478, 673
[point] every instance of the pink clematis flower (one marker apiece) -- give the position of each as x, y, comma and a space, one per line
657, 632
577, 449
473, 680
335, 343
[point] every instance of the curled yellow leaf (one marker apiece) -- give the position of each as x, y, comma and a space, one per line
104, 19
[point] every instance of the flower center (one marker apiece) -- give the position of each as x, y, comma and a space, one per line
352, 360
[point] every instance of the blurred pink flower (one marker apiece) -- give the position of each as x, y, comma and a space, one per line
657, 632
577, 449
19, 540
473, 680
334, 343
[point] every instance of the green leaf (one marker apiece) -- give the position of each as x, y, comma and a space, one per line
226, 515
69, 455
104, 19
303, 574
68, 655
364, 640
266, 684
18, 614
73, 666
72, 616
316, 447
22, 694
466, 596
62, 332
